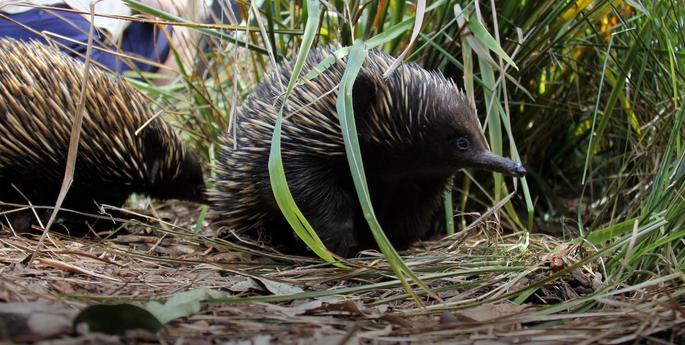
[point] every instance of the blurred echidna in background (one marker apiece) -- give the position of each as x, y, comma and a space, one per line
416, 130
39, 92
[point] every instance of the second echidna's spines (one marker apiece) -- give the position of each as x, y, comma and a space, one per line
49, 84
123, 147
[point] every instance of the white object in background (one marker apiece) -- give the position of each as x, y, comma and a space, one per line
115, 27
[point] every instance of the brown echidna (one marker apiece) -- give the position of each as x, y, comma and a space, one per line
39, 91
416, 129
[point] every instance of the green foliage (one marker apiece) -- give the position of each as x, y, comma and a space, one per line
276, 170
180, 305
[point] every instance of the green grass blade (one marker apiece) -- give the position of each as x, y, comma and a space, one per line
418, 21
352, 150
493, 119
616, 92
486, 39
279, 184
611, 232
396, 16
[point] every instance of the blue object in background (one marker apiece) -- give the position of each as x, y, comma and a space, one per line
139, 39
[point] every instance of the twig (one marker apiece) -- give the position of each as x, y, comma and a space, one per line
73, 140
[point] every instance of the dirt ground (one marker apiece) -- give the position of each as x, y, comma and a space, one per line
240, 296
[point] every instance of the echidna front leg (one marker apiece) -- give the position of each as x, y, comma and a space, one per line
326, 201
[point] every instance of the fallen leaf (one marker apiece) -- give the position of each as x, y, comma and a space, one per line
492, 311
246, 285
352, 307
397, 320
278, 288
307, 305
179, 305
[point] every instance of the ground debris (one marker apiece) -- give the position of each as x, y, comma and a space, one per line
256, 296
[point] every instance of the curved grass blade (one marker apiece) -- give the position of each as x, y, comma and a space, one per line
486, 39
349, 130
418, 21
279, 184
398, 29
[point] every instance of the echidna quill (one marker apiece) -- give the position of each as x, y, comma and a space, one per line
416, 130
39, 91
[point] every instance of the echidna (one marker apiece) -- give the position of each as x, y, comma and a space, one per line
415, 127
39, 92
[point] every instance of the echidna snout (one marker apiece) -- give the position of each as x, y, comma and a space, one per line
487, 160
416, 129
448, 139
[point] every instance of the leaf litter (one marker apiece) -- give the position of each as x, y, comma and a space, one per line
206, 290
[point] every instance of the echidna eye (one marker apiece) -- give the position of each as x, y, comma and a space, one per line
462, 144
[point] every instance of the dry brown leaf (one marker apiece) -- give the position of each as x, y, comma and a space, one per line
397, 320
352, 307
492, 311
278, 288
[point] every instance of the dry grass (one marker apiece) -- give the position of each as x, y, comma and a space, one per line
290, 301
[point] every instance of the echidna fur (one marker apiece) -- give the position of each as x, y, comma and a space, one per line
407, 124
39, 91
